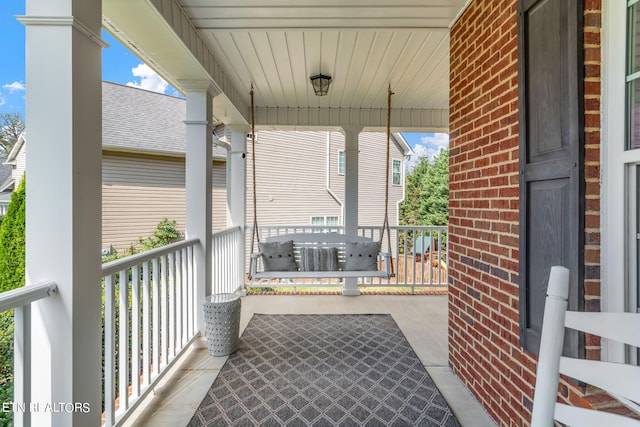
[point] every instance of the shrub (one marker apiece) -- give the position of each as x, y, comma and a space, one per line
12, 242
164, 233
12, 273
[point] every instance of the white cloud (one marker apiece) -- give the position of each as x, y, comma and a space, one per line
14, 87
149, 80
429, 147
439, 140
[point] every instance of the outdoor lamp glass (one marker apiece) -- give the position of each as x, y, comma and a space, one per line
320, 84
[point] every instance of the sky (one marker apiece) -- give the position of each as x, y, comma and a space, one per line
121, 66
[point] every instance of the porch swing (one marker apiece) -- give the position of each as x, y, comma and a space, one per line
320, 255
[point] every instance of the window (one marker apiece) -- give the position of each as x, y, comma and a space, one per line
633, 249
620, 253
325, 221
341, 162
632, 145
633, 76
396, 172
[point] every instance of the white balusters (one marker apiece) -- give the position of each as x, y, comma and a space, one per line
149, 317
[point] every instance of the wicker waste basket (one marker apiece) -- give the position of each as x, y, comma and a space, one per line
222, 323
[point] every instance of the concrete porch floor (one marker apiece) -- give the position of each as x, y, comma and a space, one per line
422, 319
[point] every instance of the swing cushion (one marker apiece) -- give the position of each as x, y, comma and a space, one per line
361, 256
318, 259
278, 256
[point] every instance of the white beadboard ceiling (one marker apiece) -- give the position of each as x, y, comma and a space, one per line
276, 45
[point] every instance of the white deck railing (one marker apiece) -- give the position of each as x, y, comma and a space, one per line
228, 260
20, 301
149, 320
150, 308
427, 269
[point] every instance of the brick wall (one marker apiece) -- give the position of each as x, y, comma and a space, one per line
484, 346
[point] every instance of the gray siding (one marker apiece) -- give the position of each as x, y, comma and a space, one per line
371, 179
139, 191
291, 169
290, 174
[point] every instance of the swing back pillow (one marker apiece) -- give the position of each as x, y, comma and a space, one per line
318, 259
278, 256
361, 256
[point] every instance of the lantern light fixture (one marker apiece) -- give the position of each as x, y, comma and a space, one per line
320, 84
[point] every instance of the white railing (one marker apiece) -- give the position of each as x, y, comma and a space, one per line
20, 301
426, 269
228, 258
149, 320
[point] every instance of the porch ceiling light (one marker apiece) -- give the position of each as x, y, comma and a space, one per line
320, 84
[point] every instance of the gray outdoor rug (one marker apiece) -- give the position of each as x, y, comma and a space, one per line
323, 370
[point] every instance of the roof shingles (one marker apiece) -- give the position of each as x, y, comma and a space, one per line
139, 120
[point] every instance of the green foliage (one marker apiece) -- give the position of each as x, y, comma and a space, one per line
12, 273
12, 242
6, 364
165, 232
427, 193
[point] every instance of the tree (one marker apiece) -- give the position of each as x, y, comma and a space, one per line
12, 241
12, 273
427, 192
165, 232
11, 126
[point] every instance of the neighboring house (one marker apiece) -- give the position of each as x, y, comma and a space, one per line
17, 161
6, 185
143, 157
143, 164
300, 177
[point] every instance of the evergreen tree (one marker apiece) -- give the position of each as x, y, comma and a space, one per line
435, 192
12, 273
427, 192
12, 241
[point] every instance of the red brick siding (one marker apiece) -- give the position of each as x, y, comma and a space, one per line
484, 346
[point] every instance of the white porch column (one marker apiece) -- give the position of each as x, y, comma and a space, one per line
199, 134
237, 188
64, 173
237, 179
350, 207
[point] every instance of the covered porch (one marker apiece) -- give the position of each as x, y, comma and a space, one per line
213, 52
213, 55
422, 319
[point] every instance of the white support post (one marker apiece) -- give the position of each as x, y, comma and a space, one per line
237, 189
350, 207
198, 183
64, 170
